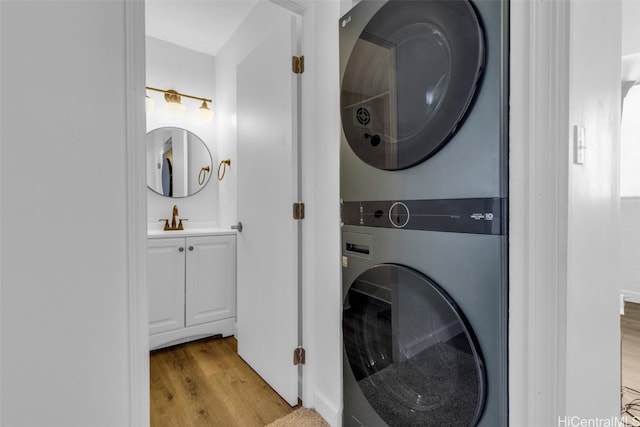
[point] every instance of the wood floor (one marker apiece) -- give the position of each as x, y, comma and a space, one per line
206, 383
630, 367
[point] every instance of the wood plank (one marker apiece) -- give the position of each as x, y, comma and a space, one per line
206, 383
193, 401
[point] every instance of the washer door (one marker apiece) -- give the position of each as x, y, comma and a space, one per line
410, 79
411, 350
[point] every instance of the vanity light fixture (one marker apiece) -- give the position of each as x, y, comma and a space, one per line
175, 107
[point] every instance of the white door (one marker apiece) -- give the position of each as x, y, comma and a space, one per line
267, 187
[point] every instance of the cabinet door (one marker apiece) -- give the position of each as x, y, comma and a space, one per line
211, 279
165, 278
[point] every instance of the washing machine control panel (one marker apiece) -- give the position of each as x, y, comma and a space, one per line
477, 216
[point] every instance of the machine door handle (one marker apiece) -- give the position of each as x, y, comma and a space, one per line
237, 227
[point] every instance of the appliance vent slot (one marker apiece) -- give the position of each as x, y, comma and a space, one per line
363, 116
361, 249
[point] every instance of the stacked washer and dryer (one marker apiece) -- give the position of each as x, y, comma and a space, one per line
424, 152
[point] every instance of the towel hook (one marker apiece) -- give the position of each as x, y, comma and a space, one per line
223, 165
203, 174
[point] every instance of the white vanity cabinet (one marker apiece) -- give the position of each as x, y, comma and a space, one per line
192, 287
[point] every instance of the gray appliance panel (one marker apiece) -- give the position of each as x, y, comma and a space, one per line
473, 163
476, 216
470, 268
410, 79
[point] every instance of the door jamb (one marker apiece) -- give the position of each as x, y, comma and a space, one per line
136, 212
538, 203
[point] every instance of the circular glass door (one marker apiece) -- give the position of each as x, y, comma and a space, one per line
411, 350
410, 79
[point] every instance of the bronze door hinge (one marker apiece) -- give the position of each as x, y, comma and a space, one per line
298, 356
298, 210
297, 64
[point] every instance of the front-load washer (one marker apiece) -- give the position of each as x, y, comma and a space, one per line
423, 99
424, 322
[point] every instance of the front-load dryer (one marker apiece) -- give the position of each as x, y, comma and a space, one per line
424, 322
423, 99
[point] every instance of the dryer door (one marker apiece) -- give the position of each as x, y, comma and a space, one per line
411, 351
409, 80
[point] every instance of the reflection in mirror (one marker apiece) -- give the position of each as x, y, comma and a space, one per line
178, 162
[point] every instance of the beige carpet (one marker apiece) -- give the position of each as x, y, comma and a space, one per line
302, 417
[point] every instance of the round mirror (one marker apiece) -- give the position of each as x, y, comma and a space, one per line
178, 162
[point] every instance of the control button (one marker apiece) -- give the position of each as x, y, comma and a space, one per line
399, 215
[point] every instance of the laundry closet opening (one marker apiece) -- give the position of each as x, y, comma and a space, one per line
224, 257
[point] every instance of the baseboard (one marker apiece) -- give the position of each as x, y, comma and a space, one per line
328, 409
224, 327
631, 296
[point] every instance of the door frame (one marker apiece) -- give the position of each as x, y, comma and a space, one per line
136, 211
138, 295
538, 202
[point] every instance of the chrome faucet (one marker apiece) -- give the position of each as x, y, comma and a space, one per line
173, 225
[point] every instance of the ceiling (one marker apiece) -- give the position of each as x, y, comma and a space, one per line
200, 25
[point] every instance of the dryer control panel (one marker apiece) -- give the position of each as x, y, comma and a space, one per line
476, 216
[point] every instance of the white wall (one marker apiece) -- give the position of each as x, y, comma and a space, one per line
169, 66
630, 248
630, 27
592, 310
64, 313
322, 307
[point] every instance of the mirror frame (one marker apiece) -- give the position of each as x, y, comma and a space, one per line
150, 144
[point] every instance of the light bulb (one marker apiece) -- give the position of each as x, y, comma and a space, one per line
175, 109
204, 113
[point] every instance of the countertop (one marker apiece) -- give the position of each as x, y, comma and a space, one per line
189, 232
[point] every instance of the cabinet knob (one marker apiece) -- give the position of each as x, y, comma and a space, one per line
181, 249
190, 248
